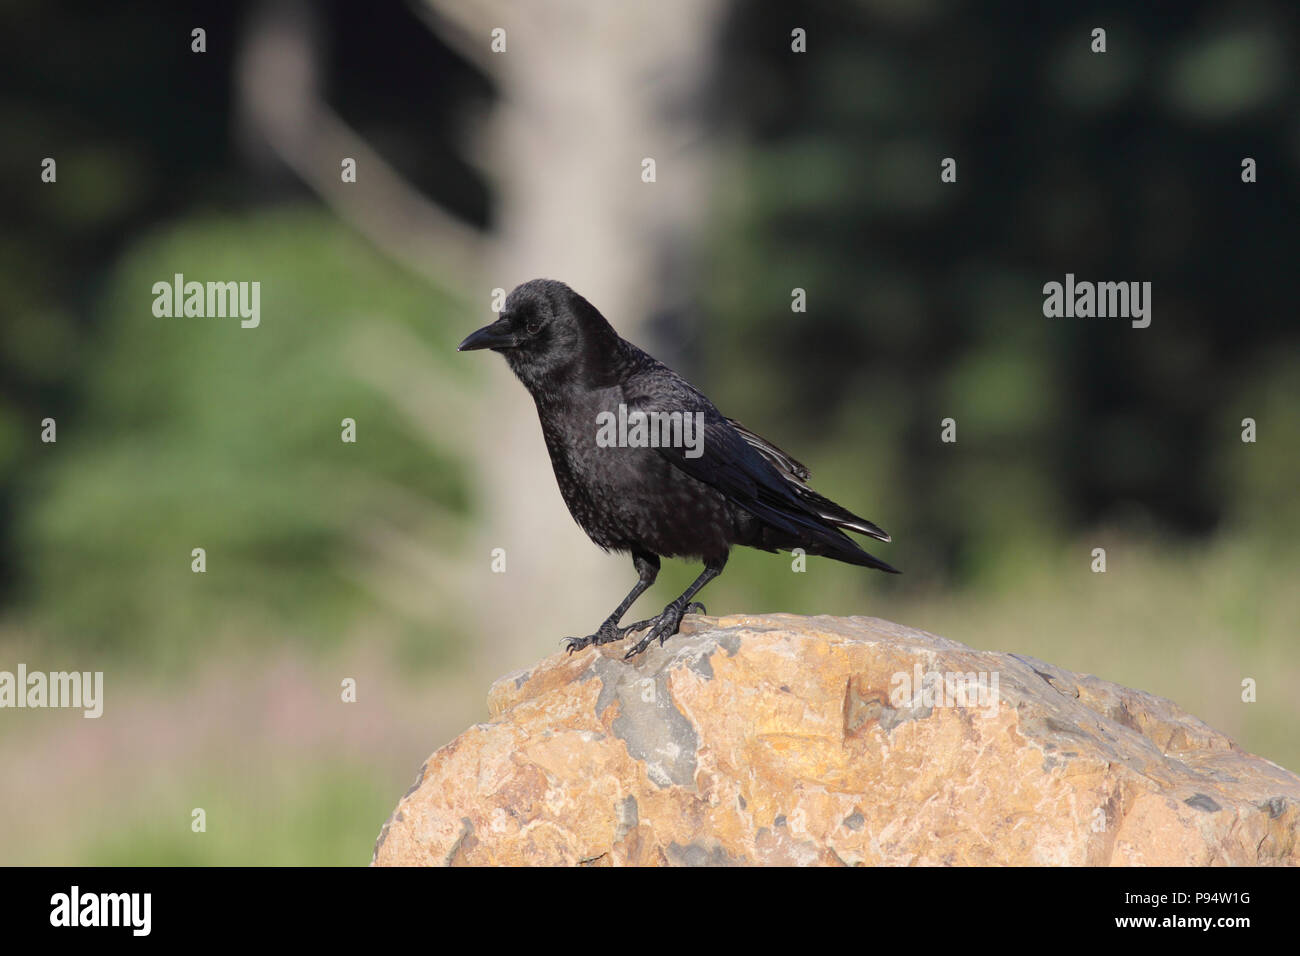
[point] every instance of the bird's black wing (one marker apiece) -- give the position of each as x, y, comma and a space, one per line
786, 464
732, 463
797, 475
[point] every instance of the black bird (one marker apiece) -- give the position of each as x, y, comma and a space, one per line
666, 489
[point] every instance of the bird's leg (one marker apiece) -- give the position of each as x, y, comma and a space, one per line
667, 623
647, 566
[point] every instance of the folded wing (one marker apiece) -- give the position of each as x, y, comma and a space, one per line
761, 478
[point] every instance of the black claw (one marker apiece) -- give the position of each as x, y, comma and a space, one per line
642, 644
637, 649
665, 626
695, 607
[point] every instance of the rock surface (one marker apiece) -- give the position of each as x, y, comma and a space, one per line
783, 740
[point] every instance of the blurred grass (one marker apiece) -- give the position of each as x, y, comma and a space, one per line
285, 771
312, 820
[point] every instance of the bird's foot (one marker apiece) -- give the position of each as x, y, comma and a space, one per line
662, 627
608, 633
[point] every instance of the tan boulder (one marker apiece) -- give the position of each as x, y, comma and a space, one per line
785, 740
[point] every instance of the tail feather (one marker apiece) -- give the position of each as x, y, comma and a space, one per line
799, 517
847, 550
796, 475
785, 531
839, 516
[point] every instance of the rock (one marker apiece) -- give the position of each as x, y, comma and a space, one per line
782, 740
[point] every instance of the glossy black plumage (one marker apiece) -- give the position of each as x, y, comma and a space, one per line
655, 502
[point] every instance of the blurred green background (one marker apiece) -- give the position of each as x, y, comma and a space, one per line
818, 171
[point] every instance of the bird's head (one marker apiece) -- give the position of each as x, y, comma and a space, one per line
547, 332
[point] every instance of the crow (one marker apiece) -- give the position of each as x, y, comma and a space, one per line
647, 465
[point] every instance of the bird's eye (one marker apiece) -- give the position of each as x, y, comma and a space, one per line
533, 326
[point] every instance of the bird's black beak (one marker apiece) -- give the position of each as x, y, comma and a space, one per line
496, 336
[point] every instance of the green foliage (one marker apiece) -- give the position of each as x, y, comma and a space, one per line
924, 297
195, 432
